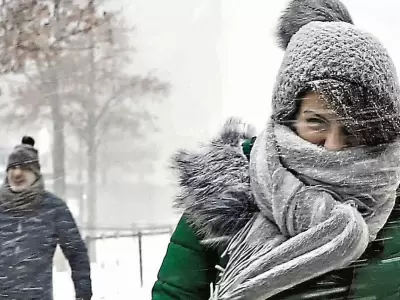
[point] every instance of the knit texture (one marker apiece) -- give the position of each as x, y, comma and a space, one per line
339, 51
301, 12
319, 211
25, 155
25, 202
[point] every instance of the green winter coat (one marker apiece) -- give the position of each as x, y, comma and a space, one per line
188, 269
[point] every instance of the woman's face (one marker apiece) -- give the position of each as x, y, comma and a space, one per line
319, 125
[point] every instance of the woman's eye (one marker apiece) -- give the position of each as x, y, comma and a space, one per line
317, 124
315, 121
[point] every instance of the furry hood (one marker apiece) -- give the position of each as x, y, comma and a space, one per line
215, 192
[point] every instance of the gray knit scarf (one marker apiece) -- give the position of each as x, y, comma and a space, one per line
24, 202
319, 210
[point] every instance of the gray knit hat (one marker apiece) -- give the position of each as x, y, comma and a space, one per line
25, 156
350, 68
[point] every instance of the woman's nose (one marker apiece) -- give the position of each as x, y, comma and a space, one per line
335, 140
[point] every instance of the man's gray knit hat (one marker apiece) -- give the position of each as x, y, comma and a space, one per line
25, 156
350, 68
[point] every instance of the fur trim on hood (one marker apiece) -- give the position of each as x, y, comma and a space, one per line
215, 192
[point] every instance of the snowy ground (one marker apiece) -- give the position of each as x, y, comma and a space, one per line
116, 276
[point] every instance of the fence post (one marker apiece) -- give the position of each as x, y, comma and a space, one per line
102, 239
140, 257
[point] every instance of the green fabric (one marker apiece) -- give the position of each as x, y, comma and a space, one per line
188, 268
380, 277
247, 145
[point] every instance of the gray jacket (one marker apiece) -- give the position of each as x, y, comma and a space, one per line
27, 247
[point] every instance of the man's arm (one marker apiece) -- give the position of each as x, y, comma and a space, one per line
75, 251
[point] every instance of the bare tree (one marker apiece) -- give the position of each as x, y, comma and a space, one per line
108, 101
97, 98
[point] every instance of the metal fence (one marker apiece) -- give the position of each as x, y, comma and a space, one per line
95, 235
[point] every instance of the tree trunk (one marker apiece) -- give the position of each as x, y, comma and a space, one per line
92, 187
58, 122
58, 148
58, 162
103, 167
92, 152
82, 203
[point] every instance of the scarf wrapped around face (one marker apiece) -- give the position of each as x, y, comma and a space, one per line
21, 203
319, 209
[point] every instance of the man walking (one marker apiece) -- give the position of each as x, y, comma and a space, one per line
32, 223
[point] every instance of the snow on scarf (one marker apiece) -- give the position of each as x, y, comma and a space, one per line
319, 210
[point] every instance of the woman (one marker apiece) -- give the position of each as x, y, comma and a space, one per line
308, 214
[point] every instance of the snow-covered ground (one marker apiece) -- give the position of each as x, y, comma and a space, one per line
116, 275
